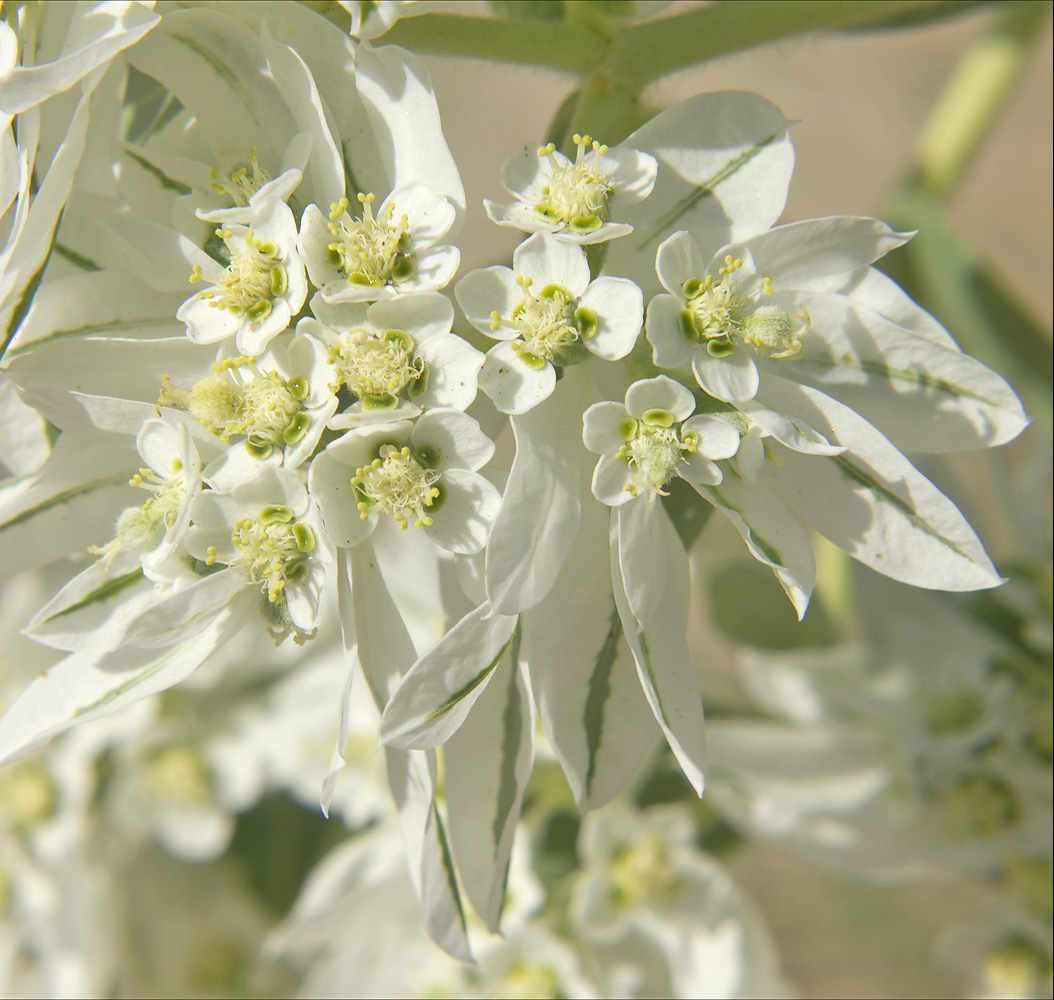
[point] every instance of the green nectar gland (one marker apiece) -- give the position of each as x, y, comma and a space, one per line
241, 182
142, 528
370, 251
654, 447
240, 398
577, 193
271, 549
252, 280
715, 313
550, 326
399, 482
377, 366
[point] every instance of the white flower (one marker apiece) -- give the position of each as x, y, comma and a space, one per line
547, 314
278, 403
269, 532
382, 255
802, 301
422, 474
259, 291
576, 201
652, 438
396, 357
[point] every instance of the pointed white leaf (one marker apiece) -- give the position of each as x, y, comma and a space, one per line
486, 765
583, 675
435, 695
664, 663
86, 686
412, 777
538, 520
872, 502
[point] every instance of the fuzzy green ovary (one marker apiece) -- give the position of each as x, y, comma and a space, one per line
397, 483
376, 366
715, 313
271, 549
142, 528
642, 873
576, 194
240, 398
241, 182
370, 251
252, 280
653, 450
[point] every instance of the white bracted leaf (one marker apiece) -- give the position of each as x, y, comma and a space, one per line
486, 765
436, 693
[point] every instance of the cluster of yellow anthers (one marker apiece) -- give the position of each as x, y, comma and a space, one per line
370, 251
377, 366
577, 193
715, 312
271, 548
239, 398
140, 528
253, 278
652, 450
549, 325
400, 482
243, 181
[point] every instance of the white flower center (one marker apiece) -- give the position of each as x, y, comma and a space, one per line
399, 482
240, 183
550, 326
239, 398
653, 450
378, 366
254, 277
27, 796
642, 872
577, 193
179, 776
141, 528
1016, 967
715, 312
271, 548
370, 251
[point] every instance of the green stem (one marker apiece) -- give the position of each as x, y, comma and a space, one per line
574, 48
973, 98
647, 51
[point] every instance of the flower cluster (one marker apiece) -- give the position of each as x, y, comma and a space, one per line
264, 411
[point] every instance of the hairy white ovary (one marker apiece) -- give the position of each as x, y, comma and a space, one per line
239, 398
577, 193
140, 528
271, 549
653, 450
376, 366
370, 251
715, 312
253, 278
549, 328
399, 484
241, 182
